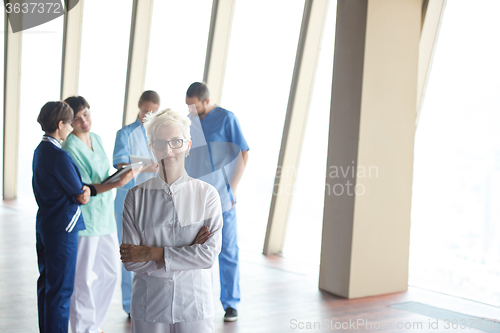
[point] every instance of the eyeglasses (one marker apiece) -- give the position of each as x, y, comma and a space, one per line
174, 144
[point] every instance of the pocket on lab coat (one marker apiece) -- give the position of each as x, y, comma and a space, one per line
189, 232
186, 301
203, 290
138, 302
159, 299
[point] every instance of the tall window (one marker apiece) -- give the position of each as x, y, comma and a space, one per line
259, 71
177, 48
103, 65
455, 233
40, 83
305, 218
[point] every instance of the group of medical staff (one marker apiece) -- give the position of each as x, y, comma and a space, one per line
79, 229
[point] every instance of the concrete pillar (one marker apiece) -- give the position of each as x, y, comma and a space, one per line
142, 13
366, 226
72, 46
217, 47
313, 22
11, 107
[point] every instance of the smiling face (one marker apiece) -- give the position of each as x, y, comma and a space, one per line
171, 157
82, 123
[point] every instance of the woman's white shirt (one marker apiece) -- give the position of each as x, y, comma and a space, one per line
179, 289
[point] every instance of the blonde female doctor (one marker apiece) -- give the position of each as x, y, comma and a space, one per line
171, 236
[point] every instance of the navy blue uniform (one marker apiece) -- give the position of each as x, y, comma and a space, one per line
56, 183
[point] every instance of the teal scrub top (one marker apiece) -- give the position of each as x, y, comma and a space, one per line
98, 213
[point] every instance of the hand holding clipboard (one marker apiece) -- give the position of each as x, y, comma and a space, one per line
120, 172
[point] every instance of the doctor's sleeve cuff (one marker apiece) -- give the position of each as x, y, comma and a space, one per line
120, 159
167, 258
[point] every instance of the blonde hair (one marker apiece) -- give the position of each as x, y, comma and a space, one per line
153, 121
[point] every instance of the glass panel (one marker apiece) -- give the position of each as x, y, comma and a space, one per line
177, 49
455, 233
259, 71
305, 218
103, 65
40, 82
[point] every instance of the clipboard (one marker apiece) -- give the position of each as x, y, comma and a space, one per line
120, 172
145, 160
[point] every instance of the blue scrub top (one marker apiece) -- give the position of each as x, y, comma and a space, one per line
132, 141
217, 141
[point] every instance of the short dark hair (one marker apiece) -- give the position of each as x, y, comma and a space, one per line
52, 113
77, 103
198, 89
150, 96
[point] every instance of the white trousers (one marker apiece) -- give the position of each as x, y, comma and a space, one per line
97, 269
200, 326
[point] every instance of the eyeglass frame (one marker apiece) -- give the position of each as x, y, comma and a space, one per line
168, 142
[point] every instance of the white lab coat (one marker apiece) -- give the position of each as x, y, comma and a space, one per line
157, 215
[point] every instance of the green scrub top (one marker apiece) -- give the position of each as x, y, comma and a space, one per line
98, 213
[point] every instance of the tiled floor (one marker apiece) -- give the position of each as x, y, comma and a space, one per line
278, 294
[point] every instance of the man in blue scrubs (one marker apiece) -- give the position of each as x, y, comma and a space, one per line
131, 145
219, 153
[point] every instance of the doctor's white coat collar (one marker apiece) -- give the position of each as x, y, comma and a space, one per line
176, 185
190, 196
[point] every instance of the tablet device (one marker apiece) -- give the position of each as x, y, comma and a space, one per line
145, 160
120, 172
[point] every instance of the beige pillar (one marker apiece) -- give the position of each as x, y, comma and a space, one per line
138, 56
366, 226
431, 24
72, 45
217, 47
313, 22
12, 93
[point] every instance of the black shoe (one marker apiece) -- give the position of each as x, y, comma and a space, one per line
231, 314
